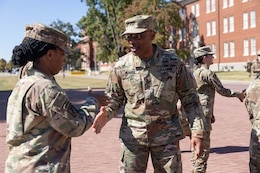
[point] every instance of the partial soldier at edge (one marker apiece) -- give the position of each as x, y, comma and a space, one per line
252, 103
207, 85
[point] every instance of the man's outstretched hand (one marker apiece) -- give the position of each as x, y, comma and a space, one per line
100, 120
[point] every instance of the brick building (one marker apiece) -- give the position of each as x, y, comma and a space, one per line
230, 27
87, 48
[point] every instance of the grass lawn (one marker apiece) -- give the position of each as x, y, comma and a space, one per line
69, 82
234, 75
78, 82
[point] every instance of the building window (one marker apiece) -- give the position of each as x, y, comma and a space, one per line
253, 46
225, 49
194, 29
192, 10
231, 24
208, 29
213, 28
207, 6
244, 0
232, 49
225, 3
246, 51
252, 19
210, 6
182, 34
231, 3
197, 10
213, 5
245, 20
225, 25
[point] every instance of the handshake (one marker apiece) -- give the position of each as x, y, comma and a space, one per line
93, 101
91, 105
242, 95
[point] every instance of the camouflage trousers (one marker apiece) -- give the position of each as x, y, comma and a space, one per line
165, 158
200, 164
254, 149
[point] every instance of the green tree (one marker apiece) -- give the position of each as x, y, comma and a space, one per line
102, 23
9, 66
2, 65
166, 17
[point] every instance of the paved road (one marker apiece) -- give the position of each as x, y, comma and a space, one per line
100, 153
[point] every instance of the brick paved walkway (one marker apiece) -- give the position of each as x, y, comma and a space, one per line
100, 153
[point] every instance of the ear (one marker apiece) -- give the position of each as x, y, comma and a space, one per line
204, 59
49, 54
152, 35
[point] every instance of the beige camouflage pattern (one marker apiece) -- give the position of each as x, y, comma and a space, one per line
148, 91
203, 51
255, 68
138, 24
134, 158
252, 102
40, 123
207, 83
47, 34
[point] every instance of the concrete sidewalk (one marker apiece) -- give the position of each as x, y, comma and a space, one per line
100, 153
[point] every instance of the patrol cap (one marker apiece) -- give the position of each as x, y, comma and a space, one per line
47, 34
138, 24
202, 51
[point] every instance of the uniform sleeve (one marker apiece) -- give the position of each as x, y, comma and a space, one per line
190, 101
115, 93
219, 88
252, 100
62, 115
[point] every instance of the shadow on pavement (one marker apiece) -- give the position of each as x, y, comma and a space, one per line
228, 149
224, 150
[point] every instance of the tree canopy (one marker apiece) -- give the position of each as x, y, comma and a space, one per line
104, 22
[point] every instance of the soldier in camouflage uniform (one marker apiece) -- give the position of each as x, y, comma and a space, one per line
207, 84
255, 66
40, 118
147, 81
252, 102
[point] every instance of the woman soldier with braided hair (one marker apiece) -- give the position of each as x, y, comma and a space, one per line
40, 118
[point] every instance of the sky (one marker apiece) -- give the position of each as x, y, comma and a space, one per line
15, 14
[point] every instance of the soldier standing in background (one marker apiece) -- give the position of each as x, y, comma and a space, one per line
207, 84
252, 102
148, 80
256, 66
40, 118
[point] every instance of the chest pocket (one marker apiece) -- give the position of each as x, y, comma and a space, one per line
166, 86
132, 85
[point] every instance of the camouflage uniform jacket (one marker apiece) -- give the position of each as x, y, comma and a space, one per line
255, 69
208, 83
149, 91
40, 123
252, 102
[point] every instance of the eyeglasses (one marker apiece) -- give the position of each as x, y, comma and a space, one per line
138, 36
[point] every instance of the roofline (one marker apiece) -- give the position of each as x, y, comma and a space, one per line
186, 2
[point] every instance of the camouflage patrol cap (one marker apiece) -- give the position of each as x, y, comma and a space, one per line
138, 24
47, 34
202, 51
